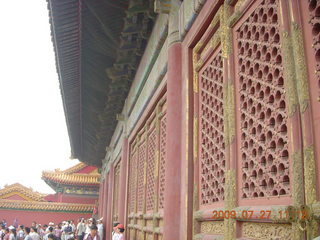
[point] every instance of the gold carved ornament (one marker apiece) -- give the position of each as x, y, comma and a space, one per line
267, 231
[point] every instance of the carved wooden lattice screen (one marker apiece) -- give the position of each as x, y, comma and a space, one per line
241, 123
163, 135
263, 119
116, 188
212, 160
146, 176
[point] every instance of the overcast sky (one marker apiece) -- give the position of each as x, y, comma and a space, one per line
33, 134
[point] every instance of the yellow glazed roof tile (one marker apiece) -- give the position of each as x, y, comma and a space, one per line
69, 176
45, 206
22, 191
73, 179
74, 168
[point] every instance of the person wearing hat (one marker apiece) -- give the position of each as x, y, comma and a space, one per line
93, 235
118, 235
115, 224
100, 228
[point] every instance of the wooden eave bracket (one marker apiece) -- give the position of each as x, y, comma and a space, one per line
162, 6
109, 149
120, 117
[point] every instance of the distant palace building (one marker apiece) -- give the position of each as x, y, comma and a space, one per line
76, 195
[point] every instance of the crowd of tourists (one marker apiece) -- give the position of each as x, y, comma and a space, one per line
89, 229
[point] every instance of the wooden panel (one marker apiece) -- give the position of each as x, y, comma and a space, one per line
147, 156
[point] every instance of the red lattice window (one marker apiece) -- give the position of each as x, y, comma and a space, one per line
314, 12
163, 135
145, 185
152, 144
212, 157
141, 162
132, 181
263, 117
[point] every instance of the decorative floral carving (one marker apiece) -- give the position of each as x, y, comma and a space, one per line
310, 175
226, 42
300, 67
297, 192
212, 227
267, 231
230, 204
289, 72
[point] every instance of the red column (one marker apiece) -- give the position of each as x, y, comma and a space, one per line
187, 161
173, 161
123, 182
101, 192
104, 200
109, 221
59, 196
99, 199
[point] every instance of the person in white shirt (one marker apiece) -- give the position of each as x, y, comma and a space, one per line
26, 233
115, 224
20, 232
13, 234
118, 235
100, 228
33, 234
51, 224
81, 229
50, 231
88, 224
40, 230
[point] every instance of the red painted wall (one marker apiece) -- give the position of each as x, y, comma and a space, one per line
51, 198
87, 169
27, 217
71, 199
75, 199
15, 197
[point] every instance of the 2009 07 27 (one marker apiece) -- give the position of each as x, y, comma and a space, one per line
251, 214
245, 214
